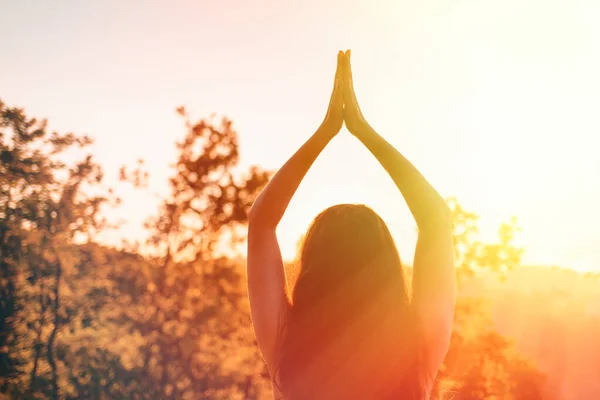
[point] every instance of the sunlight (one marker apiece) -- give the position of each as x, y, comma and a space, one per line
495, 103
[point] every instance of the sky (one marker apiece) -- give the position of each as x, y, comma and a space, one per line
495, 102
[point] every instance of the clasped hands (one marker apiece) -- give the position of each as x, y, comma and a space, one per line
343, 107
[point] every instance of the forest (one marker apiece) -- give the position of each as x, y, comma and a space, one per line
169, 319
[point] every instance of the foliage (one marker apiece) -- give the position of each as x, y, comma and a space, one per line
481, 364
46, 206
194, 311
82, 321
79, 320
474, 255
205, 196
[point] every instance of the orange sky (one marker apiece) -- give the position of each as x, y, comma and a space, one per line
495, 102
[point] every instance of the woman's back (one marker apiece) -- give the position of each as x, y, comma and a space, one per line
373, 361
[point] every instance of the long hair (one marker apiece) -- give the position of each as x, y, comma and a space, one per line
350, 331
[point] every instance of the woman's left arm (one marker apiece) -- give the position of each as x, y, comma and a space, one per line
266, 273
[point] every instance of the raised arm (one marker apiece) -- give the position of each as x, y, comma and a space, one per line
433, 267
266, 275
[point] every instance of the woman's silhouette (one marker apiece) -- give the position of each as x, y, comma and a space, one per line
349, 329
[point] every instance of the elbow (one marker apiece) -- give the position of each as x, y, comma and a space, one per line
258, 219
438, 220
445, 218
252, 213
446, 214
254, 218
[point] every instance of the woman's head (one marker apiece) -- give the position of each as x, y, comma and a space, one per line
350, 307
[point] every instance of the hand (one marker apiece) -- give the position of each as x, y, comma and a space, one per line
355, 122
334, 118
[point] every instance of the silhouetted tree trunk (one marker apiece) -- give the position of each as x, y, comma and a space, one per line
8, 300
38, 343
52, 337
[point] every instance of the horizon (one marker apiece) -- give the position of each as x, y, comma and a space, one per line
486, 84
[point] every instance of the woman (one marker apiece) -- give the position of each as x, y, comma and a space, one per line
349, 328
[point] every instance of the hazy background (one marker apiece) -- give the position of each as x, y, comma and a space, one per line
496, 102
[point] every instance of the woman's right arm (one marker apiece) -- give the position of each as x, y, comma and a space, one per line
433, 267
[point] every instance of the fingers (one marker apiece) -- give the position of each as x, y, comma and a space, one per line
348, 68
345, 78
337, 94
340, 65
339, 75
348, 65
349, 96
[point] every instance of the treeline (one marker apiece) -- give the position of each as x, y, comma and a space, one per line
80, 320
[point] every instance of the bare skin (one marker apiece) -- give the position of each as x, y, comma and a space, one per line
433, 277
433, 267
266, 275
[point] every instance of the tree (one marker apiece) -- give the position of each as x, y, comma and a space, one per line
472, 255
208, 195
481, 363
46, 207
83, 321
80, 320
195, 303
